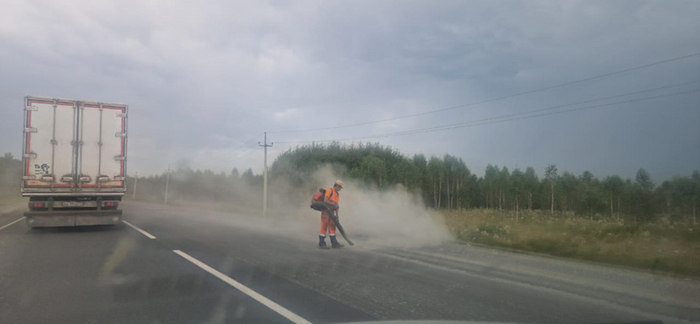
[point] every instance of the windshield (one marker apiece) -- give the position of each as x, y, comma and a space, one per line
349, 161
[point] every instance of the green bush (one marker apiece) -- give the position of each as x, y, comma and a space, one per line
492, 230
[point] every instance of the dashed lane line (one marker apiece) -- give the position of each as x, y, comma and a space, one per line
235, 284
10, 224
148, 235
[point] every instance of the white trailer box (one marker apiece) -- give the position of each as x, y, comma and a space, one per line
74, 155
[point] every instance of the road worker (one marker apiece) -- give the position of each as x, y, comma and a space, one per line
327, 225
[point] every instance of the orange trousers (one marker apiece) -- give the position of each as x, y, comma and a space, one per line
327, 224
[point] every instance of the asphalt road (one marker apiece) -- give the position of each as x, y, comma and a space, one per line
188, 266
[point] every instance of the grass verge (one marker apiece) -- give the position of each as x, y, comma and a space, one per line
661, 246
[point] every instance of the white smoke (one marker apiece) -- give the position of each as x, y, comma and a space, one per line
377, 218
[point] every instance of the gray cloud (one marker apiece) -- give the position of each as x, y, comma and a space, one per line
201, 78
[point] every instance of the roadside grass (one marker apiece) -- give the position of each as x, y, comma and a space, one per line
661, 246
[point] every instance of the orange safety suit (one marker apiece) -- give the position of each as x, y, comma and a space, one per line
326, 223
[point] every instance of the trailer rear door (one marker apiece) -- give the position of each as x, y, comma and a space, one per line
49, 137
102, 142
73, 147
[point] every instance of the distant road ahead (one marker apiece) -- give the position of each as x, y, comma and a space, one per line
185, 266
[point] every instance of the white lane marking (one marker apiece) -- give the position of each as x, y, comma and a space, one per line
260, 298
10, 224
140, 230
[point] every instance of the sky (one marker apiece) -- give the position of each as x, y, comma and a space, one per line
205, 79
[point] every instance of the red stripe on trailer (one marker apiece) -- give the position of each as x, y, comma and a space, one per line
121, 163
34, 185
49, 102
103, 107
29, 141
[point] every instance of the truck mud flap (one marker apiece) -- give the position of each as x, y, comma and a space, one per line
72, 218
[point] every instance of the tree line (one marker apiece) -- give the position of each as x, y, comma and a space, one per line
443, 182
195, 185
447, 183
183, 183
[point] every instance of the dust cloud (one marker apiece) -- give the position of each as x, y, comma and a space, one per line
371, 217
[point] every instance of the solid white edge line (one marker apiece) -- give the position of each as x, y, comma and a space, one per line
260, 298
140, 230
10, 224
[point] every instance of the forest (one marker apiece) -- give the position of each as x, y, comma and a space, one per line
447, 183
444, 183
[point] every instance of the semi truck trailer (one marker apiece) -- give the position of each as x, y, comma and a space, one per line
74, 154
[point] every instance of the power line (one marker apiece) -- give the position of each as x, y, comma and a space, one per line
494, 120
244, 144
247, 143
251, 151
535, 116
548, 108
517, 94
578, 103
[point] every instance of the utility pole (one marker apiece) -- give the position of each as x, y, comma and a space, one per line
136, 181
265, 145
167, 180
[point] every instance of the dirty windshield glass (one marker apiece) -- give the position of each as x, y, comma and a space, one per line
349, 161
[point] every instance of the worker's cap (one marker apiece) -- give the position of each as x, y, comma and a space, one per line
339, 183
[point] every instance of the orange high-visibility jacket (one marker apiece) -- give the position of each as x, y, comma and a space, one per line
332, 195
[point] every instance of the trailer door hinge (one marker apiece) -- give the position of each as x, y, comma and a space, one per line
119, 158
30, 130
85, 179
119, 134
31, 108
67, 179
30, 155
47, 178
118, 178
28, 178
121, 115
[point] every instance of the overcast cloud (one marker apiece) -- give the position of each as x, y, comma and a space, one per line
203, 77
